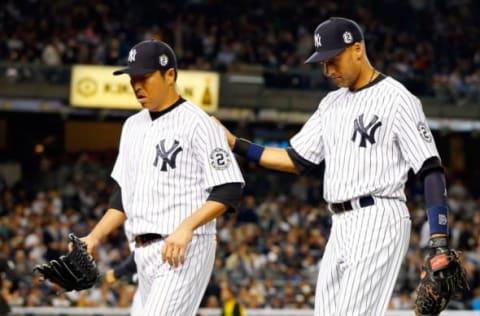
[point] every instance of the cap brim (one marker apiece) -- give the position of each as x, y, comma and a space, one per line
133, 71
322, 56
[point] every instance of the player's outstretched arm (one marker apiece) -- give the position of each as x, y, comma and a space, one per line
267, 157
272, 158
230, 137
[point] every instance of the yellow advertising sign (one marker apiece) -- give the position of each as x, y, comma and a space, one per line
97, 87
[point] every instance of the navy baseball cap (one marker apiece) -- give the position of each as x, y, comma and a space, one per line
149, 56
332, 36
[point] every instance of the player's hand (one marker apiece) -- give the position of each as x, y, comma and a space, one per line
175, 246
230, 137
91, 243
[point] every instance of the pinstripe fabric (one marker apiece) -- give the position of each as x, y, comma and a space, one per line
167, 291
136, 306
362, 260
378, 168
369, 139
156, 200
166, 168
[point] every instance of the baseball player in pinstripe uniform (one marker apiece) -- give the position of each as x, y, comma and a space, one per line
175, 175
370, 133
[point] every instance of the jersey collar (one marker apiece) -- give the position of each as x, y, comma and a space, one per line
155, 115
379, 78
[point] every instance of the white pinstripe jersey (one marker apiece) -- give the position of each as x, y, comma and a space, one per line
166, 167
369, 139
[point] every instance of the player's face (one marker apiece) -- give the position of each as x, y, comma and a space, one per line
344, 68
153, 90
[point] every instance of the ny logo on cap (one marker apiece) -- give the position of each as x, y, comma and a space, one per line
131, 55
317, 40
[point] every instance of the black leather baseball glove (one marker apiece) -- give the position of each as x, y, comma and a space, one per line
442, 277
74, 271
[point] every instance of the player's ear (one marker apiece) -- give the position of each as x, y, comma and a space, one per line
171, 75
357, 49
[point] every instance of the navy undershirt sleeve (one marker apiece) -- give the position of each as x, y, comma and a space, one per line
303, 166
229, 194
116, 199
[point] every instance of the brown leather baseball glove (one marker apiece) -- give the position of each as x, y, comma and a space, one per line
442, 277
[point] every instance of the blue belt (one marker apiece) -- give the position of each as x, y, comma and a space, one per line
363, 201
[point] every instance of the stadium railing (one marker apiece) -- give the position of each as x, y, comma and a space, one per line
106, 311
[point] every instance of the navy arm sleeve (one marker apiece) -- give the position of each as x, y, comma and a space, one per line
435, 188
434, 183
229, 194
126, 267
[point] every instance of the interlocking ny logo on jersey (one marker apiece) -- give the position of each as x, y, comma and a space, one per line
366, 132
168, 156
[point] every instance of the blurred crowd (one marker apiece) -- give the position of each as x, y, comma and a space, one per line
268, 252
432, 46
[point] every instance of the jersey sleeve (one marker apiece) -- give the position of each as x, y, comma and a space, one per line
308, 142
119, 172
413, 133
212, 151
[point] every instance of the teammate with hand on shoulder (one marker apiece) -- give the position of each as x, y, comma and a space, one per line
370, 132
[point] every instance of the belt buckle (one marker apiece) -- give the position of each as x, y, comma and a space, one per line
331, 208
337, 207
141, 240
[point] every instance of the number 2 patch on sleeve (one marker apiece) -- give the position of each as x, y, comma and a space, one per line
424, 131
220, 159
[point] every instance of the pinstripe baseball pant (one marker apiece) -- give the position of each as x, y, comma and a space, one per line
168, 291
362, 259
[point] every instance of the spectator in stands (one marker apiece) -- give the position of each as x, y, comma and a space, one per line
4, 267
230, 305
424, 58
